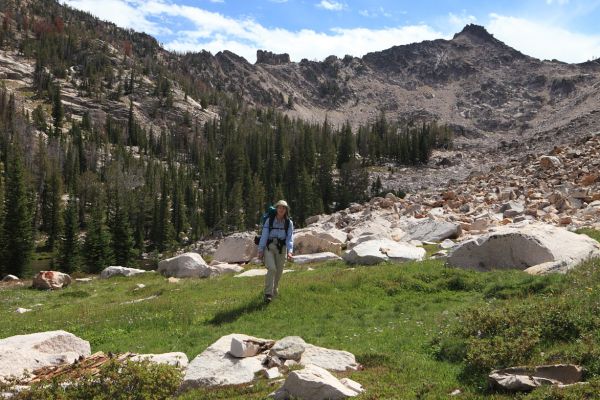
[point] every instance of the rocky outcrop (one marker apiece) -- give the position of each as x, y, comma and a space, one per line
315, 383
267, 57
535, 248
237, 248
112, 271
51, 280
27, 353
215, 366
235, 359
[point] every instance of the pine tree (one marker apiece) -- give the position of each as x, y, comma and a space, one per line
57, 109
347, 146
68, 256
97, 247
352, 185
235, 214
121, 235
165, 233
17, 232
51, 208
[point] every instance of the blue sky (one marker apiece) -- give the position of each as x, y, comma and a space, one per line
547, 29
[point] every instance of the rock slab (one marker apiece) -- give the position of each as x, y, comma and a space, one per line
27, 353
523, 379
316, 258
111, 271
535, 248
376, 251
428, 230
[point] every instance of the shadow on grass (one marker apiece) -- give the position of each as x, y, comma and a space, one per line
227, 316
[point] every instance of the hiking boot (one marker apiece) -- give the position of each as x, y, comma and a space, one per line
268, 298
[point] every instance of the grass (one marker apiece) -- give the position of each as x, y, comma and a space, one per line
392, 317
593, 233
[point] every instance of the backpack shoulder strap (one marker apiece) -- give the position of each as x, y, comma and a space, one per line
287, 225
271, 219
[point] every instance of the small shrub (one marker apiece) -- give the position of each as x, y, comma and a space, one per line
129, 381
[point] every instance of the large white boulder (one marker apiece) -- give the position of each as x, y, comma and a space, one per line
316, 258
237, 248
310, 242
315, 383
215, 366
111, 271
329, 233
376, 251
430, 230
535, 248
50, 280
187, 265
27, 353
176, 359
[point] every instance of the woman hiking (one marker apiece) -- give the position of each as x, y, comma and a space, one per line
275, 245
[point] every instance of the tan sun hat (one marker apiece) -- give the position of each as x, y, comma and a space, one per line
282, 203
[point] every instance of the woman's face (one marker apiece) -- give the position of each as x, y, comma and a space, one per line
281, 210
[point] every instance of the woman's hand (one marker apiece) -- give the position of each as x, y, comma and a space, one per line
290, 256
260, 255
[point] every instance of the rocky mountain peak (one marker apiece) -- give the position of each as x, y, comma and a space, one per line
477, 32
267, 57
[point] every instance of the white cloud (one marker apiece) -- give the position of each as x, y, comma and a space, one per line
457, 22
331, 5
125, 13
544, 40
559, 2
375, 13
215, 32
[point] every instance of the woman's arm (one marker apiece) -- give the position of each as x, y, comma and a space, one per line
289, 240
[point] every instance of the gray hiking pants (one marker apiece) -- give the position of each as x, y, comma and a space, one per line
274, 261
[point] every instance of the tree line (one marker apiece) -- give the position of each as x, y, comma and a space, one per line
102, 193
